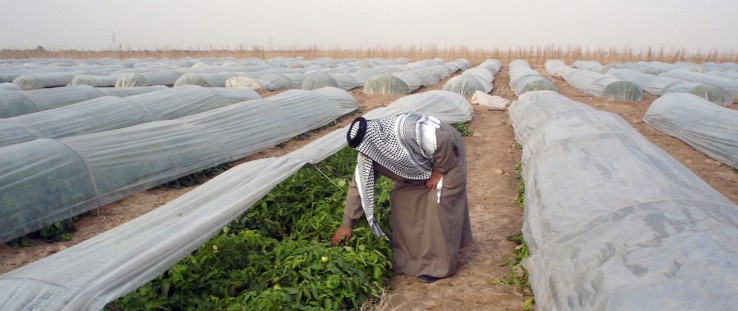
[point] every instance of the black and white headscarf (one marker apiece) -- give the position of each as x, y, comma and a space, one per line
396, 143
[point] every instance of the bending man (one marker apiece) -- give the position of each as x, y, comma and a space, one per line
430, 217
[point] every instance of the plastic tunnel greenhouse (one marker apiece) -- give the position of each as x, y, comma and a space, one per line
730, 85
613, 222
16, 103
601, 85
402, 82
148, 78
268, 82
94, 81
111, 112
321, 79
709, 128
492, 65
45, 80
90, 274
555, 67
524, 79
470, 81
215, 79
660, 85
83, 172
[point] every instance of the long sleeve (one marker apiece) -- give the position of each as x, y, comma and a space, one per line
352, 211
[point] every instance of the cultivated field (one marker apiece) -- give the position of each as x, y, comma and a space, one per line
492, 157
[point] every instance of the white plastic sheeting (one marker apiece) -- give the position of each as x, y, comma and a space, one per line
586, 64
601, 85
148, 78
489, 101
709, 128
555, 67
470, 81
44, 80
730, 85
112, 112
660, 85
524, 79
492, 65
362, 75
612, 222
10, 86
321, 79
83, 172
401, 82
90, 274
95, 81
206, 79
16, 103
268, 81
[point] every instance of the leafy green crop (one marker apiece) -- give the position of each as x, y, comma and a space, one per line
277, 255
463, 128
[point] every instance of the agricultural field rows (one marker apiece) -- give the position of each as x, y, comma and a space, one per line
493, 156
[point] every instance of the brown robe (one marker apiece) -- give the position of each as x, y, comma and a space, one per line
426, 235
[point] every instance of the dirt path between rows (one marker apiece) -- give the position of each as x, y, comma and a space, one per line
491, 189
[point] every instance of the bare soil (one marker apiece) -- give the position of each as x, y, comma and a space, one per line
491, 189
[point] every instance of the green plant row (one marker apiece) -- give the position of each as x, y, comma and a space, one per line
517, 276
277, 255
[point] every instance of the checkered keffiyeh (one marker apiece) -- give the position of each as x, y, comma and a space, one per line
395, 143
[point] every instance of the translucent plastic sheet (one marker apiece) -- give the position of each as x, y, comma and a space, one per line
16, 103
492, 65
730, 85
269, 82
601, 85
471, 81
121, 162
709, 128
101, 269
401, 82
524, 79
612, 222
94, 81
110, 112
44, 80
148, 78
321, 79
662, 85
214, 79
554, 67
362, 75
10, 86
586, 64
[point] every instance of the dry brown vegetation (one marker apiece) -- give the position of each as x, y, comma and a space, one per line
534, 55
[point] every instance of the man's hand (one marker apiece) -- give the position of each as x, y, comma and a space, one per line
433, 180
342, 232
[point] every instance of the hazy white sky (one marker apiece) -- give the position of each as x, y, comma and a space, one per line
146, 24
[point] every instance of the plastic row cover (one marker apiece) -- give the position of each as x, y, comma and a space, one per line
660, 85
709, 128
321, 79
83, 172
401, 82
524, 79
44, 80
586, 64
613, 222
492, 65
148, 78
206, 79
105, 267
94, 81
601, 85
730, 85
555, 67
471, 81
269, 82
111, 112
16, 103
